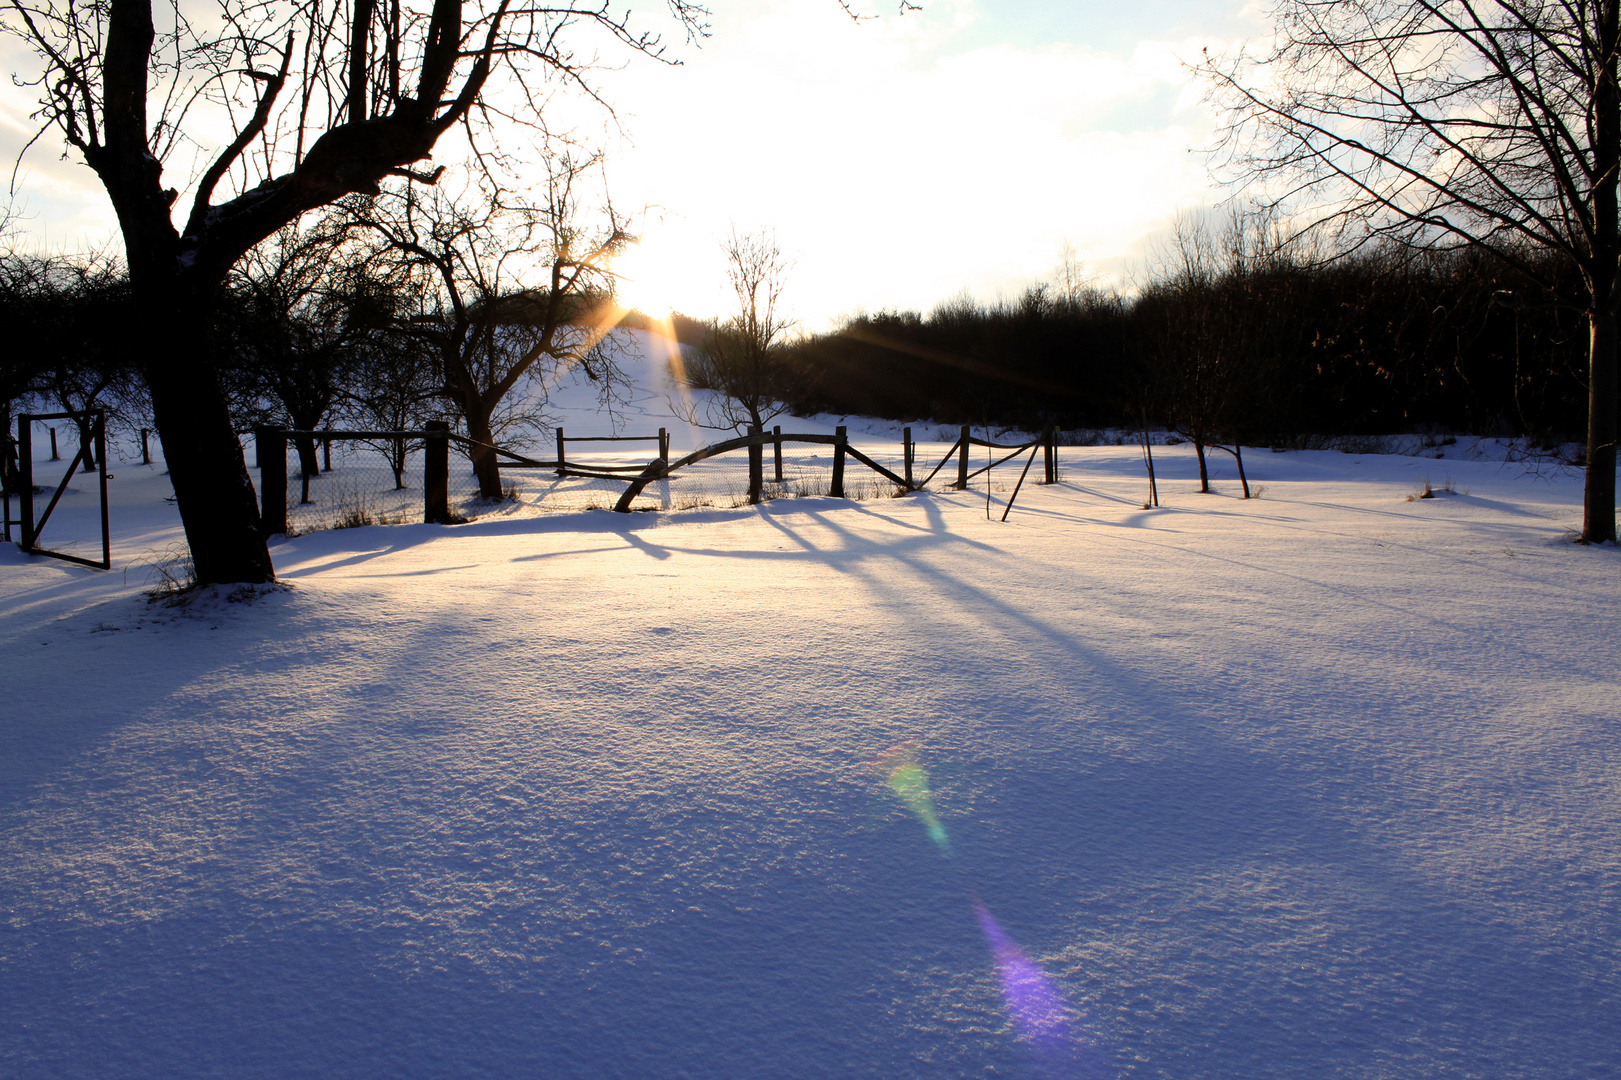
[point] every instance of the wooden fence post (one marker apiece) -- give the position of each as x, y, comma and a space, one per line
146, 452
756, 465
560, 456
436, 472
54, 455
270, 450
776, 434
906, 454
101, 455
664, 443
962, 461
842, 441
1049, 443
326, 454
25, 459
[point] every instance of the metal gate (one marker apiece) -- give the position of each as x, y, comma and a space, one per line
94, 425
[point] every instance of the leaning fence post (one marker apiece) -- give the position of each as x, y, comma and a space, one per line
270, 448
776, 433
841, 440
560, 458
906, 454
962, 460
436, 472
146, 452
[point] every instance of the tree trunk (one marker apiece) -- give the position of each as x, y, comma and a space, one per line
88, 445
1598, 503
1598, 518
218, 507
308, 463
1204, 473
10, 469
485, 464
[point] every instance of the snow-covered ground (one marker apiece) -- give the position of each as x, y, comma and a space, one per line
1321, 784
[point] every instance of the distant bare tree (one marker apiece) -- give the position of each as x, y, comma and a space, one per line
742, 358
1212, 326
308, 306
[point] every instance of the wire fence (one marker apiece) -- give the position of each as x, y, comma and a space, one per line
357, 484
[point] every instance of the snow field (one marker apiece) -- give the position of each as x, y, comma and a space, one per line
1322, 784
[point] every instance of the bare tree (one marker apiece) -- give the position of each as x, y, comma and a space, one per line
493, 332
308, 306
1454, 122
742, 359
397, 383
316, 102
1210, 326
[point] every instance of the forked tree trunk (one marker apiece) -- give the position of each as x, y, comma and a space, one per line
1598, 519
88, 444
1204, 473
217, 503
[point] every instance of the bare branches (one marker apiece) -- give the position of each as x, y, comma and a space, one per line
742, 359
1428, 118
318, 100
1494, 123
515, 294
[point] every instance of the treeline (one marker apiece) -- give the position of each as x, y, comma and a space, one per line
385, 317
1234, 338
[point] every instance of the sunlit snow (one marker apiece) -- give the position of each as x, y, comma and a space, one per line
1320, 784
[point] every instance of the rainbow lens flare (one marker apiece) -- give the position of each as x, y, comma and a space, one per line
910, 784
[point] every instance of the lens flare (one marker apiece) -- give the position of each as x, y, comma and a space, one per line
1037, 1008
910, 783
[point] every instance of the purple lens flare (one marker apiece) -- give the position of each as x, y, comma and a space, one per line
1038, 1010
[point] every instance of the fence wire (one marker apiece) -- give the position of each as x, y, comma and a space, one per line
361, 487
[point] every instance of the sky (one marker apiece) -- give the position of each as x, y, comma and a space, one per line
898, 160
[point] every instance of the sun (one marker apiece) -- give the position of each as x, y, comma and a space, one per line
649, 279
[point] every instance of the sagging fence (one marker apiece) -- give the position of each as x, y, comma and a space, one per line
389, 477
